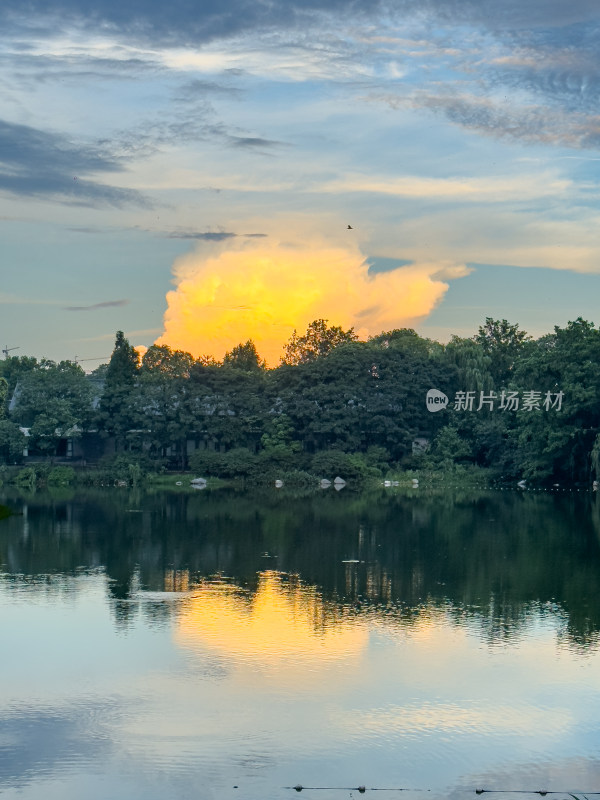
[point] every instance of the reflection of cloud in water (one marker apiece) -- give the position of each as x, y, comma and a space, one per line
486, 719
36, 742
284, 627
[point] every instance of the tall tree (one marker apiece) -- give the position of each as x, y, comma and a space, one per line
116, 416
504, 344
319, 340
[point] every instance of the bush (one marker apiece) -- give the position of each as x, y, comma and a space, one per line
281, 457
352, 467
296, 478
128, 467
207, 462
239, 462
61, 476
26, 478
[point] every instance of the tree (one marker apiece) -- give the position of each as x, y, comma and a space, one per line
3, 398
504, 344
244, 356
54, 400
161, 361
558, 442
318, 341
115, 415
14, 368
12, 442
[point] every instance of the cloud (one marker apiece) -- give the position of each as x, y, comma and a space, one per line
176, 22
185, 23
213, 236
265, 291
36, 163
489, 189
535, 124
254, 142
205, 236
95, 306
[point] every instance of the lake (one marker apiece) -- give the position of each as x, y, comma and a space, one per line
231, 645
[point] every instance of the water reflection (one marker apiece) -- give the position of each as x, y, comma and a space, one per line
175, 645
283, 628
500, 557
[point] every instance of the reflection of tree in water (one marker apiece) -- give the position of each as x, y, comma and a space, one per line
493, 557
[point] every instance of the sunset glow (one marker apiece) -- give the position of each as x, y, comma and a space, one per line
285, 628
263, 292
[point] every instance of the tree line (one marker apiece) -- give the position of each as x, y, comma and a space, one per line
526, 408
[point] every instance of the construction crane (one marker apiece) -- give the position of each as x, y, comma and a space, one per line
6, 350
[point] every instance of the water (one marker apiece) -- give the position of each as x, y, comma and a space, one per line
229, 646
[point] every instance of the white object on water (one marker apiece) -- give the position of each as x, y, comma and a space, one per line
339, 481
325, 484
278, 483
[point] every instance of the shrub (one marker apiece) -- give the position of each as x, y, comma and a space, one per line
239, 461
351, 467
207, 462
26, 478
61, 476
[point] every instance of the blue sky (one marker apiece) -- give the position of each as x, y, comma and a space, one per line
150, 153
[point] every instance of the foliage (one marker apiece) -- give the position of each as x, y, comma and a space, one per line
14, 368
3, 398
244, 356
12, 442
115, 417
207, 462
61, 476
448, 448
161, 361
318, 341
351, 467
335, 405
503, 344
26, 478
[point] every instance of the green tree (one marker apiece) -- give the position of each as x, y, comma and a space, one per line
54, 401
244, 356
504, 344
3, 398
161, 361
14, 368
318, 341
557, 442
12, 442
115, 415
448, 448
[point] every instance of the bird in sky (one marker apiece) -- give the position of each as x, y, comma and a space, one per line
350, 228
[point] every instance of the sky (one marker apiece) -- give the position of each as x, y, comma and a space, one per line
197, 174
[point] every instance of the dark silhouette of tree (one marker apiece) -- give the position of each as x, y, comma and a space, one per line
244, 356
318, 341
116, 416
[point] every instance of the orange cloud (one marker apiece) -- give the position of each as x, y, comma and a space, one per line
264, 291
